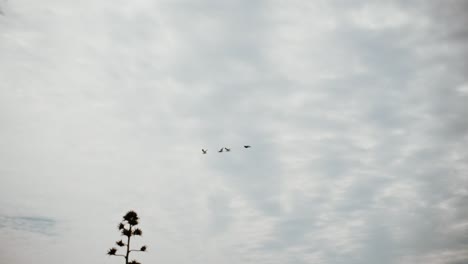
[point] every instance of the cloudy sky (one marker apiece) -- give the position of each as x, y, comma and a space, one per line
356, 112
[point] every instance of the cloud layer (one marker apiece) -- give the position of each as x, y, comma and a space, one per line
356, 113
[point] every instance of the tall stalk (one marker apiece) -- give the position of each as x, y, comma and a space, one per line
130, 220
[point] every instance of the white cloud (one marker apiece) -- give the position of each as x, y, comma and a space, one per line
355, 111
381, 16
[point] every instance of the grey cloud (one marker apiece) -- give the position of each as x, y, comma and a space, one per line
252, 172
221, 213
40, 225
357, 132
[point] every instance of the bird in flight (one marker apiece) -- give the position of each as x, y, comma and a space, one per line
221, 150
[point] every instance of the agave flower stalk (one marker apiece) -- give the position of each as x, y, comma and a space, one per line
127, 228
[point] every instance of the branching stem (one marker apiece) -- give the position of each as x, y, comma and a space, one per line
128, 244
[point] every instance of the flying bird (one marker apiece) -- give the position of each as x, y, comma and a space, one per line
227, 149
246, 146
204, 151
221, 150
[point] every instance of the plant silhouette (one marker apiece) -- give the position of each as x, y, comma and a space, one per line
128, 229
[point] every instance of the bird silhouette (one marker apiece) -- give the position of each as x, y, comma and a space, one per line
247, 146
227, 149
221, 150
204, 151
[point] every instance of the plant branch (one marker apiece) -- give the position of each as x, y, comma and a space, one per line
128, 243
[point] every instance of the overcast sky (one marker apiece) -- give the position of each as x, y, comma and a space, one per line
357, 113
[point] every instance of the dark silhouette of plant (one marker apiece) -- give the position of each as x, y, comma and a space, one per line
127, 228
